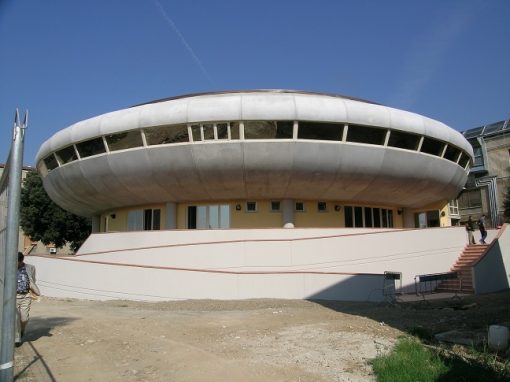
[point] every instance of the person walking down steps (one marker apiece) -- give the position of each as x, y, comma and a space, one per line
25, 287
481, 227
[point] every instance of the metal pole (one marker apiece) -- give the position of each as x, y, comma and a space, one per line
11, 251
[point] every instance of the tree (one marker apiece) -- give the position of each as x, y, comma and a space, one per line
506, 204
41, 219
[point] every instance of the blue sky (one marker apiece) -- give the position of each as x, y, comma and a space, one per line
66, 61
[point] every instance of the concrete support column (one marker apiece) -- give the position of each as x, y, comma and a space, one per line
96, 223
171, 216
288, 213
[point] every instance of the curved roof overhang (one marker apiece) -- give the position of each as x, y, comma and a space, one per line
258, 169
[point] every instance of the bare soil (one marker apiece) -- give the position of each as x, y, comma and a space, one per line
250, 340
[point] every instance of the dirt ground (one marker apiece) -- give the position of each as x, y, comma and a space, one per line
252, 340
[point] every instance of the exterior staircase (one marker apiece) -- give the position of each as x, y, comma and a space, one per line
463, 267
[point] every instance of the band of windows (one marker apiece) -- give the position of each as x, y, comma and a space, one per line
248, 130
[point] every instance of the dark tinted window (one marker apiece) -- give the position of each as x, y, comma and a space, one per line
208, 131
122, 141
222, 130
320, 131
403, 140
452, 153
358, 216
464, 160
67, 155
50, 162
348, 216
366, 134
368, 217
195, 132
377, 217
268, 129
234, 130
432, 146
162, 135
93, 147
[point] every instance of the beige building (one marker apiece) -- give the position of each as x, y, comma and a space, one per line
489, 178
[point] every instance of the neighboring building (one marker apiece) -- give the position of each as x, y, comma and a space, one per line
489, 177
256, 159
26, 245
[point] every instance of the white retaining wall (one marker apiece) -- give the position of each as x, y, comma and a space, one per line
341, 264
492, 272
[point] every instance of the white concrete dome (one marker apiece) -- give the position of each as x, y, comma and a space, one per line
261, 144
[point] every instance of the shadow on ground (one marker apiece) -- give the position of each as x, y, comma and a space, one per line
42, 327
32, 362
470, 316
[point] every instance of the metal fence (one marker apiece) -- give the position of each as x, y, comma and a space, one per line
10, 194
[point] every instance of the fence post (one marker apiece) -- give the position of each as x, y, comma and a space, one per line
15, 168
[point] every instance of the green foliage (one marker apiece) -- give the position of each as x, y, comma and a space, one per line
506, 204
41, 219
410, 360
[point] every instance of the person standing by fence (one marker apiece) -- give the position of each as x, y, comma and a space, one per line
25, 286
470, 228
483, 231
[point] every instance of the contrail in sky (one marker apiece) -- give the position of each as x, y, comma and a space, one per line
186, 45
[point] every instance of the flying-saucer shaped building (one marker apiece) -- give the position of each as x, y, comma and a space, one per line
261, 158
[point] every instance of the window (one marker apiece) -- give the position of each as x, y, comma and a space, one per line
148, 220
366, 134
300, 207
135, 220
348, 216
268, 129
320, 131
321, 206
222, 130
163, 135
427, 219
358, 217
151, 219
275, 206
464, 160
478, 152
234, 130
432, 146
208, 131
66, 155
368, 217
92, 147
404, 140
452, 153
126, 140
195, 133
453, 207
470, 199
51, 162
209, 216
377, 217
384, 217
251, 206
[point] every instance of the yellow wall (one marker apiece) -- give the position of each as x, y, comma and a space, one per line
311, 217
442, 207
262, 218
120, 222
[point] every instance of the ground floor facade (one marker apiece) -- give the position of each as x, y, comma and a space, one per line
239, 214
